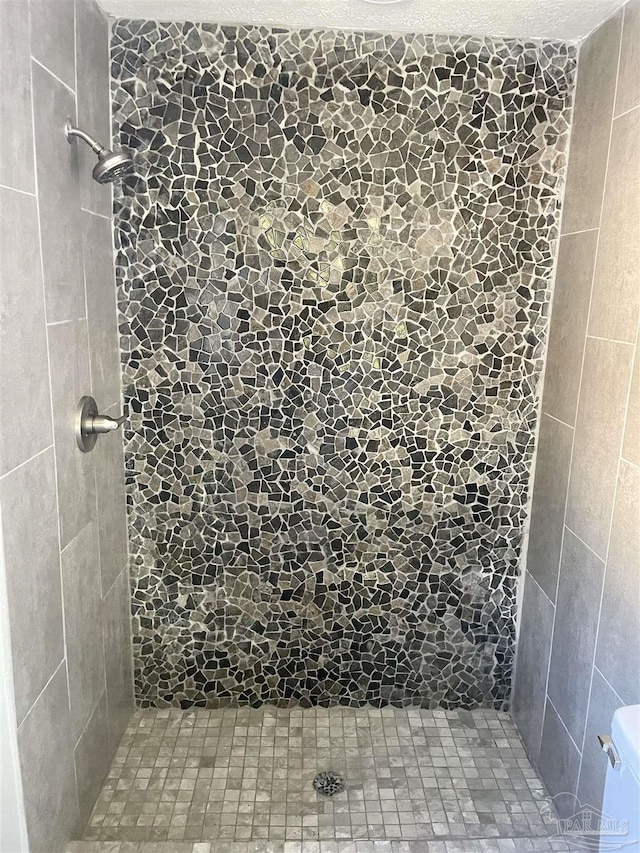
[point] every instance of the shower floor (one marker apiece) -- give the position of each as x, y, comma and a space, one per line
242, 780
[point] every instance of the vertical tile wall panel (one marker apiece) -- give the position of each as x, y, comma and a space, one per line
64, 734
16, 148
24, 368
590, 127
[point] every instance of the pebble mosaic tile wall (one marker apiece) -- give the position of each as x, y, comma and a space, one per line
334, 267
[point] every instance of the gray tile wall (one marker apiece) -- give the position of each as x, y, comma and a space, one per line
579, 642
63, 513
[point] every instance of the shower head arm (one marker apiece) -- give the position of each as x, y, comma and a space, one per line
110, 165
72, 132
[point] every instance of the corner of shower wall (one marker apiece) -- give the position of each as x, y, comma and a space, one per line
578, 655
13, 828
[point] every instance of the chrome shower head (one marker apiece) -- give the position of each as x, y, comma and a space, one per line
111, 164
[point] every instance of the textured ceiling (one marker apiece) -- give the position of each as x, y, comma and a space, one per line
562, 19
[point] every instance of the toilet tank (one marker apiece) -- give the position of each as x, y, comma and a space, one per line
621, 803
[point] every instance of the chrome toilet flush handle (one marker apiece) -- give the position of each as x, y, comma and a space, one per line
606, 744
90, 424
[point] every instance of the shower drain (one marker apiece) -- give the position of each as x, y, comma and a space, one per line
329, 783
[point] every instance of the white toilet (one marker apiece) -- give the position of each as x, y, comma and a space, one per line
621, 803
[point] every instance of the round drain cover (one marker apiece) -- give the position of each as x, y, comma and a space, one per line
329, 783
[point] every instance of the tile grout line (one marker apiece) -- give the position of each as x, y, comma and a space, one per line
586, 545
65, 322
16, 190
564, 725
86, 726
608, 683
55, 76
626, 112
557, 420
610, 340
551, 602
114, 581
35, 701
574, 233
95, 213
628, 461
25, 461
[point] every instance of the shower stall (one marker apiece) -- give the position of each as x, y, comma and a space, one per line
320, 534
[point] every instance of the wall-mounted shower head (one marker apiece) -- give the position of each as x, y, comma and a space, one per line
110, 165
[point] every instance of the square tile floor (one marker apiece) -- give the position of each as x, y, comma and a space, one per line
245, 775
470, 845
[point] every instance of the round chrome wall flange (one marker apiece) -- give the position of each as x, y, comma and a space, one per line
87, 411
89, 424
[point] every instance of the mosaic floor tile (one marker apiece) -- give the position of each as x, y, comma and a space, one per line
246, 775
500, 845
334, 267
